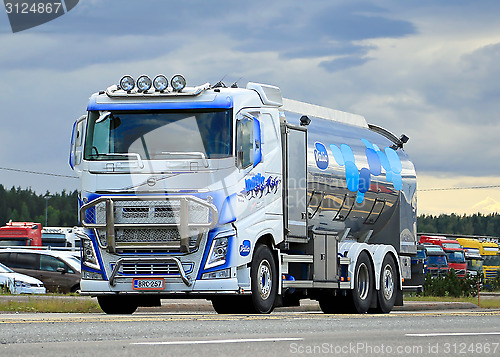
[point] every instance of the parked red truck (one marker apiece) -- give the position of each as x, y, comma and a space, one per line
454, 251
21, 234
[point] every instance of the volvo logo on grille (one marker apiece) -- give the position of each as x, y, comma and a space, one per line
152, 181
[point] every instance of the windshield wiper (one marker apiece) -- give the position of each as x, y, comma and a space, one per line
134, 154
192, 153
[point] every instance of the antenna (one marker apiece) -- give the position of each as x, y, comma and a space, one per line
235, 84
220, 84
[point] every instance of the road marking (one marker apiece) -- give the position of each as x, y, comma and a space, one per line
451, 334
153, 317
203, 342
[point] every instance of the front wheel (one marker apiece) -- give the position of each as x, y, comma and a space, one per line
118, 304
264, 280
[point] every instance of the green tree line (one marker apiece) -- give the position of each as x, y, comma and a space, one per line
476, 224
24, 205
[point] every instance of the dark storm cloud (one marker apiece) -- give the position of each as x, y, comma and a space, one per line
114, 31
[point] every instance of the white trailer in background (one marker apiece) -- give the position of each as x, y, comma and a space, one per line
241, 197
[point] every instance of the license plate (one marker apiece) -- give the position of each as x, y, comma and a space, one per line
148, 284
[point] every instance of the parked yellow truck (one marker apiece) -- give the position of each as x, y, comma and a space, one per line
489, 252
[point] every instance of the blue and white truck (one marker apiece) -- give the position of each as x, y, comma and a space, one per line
239, 196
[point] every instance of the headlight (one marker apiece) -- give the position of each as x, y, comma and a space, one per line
218, 252
21, 284
89, 257
160, 82
143, 83
178, 82
127, 83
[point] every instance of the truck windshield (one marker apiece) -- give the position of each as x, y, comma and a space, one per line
436, 260
155, 135
456, 257
13, 242
475, 264
491, 260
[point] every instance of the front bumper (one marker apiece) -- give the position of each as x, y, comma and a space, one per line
172, 287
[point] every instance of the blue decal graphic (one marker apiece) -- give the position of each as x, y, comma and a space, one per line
258, 186
359, 180
321, 156
337, 154
245, 248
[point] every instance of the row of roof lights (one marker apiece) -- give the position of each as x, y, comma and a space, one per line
160, 83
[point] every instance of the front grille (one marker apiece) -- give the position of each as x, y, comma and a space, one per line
460, 272
491, 274
166, 223
150, 212
164, 236
154, 269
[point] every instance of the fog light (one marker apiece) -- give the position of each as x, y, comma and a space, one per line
160, 82
144, 83
127, 83
90, 275
218, 274
178, 82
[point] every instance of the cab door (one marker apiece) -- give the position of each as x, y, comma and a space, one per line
295, 182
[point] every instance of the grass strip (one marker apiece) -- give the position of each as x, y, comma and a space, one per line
485, 303
51, 305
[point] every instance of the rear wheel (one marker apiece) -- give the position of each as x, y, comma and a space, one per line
388, 286
361, 295
118, 304
264, 280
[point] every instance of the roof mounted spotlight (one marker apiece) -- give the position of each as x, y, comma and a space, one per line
160, 83
127, 83
178, 83
304, 120
144, 83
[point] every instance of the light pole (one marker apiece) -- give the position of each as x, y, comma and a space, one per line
47, 197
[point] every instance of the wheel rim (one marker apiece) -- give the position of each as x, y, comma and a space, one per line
363, 281
388, 281
265, 279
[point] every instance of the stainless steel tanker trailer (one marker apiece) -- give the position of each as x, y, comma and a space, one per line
241, 197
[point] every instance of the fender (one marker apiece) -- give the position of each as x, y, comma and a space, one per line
376, 253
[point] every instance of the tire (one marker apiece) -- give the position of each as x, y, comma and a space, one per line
118, 304
361, 295
264, 280
388, 286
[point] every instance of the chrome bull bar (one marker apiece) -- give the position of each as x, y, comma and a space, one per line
182, 223
122, 261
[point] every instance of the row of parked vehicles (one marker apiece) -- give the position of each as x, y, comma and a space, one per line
35, 260
466, 255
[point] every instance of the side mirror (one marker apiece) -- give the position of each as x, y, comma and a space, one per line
61, 270
239, 159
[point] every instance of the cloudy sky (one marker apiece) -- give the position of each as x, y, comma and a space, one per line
425, 68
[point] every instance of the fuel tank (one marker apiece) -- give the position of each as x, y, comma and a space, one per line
360, 182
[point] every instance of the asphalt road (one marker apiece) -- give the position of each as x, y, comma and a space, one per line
279, 334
